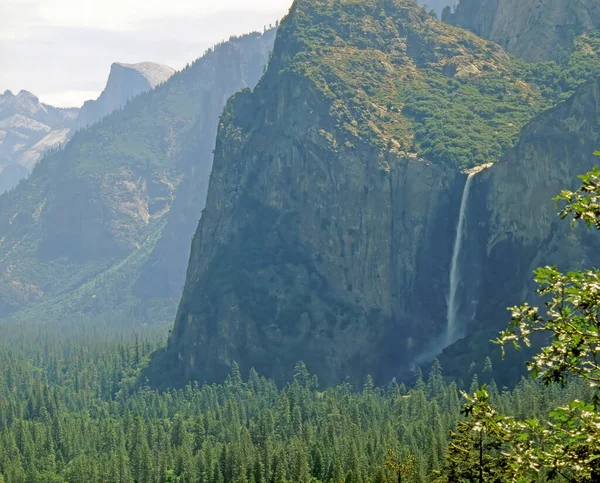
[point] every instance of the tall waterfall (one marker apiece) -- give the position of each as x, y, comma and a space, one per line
453, 303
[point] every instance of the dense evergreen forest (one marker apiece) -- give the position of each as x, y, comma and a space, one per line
70, 411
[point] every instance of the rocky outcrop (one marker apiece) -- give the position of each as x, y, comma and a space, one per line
437, 6
28, 129
24, 110
534, 30
125, 81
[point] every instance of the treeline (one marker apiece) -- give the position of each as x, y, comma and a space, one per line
70, 411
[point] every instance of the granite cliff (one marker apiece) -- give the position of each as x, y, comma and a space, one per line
333, 202
125, 81
514, 227
534, 30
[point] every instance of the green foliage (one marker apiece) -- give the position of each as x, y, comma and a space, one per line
404, 468
557, 80
565, 447
570, 318
571, 315
476, 450
396, 78
583, 204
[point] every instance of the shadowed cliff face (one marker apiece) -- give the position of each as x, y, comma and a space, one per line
326, 237
316, 261
534, 30
305, 252
514, 227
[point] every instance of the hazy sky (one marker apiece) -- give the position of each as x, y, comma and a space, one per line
61, 50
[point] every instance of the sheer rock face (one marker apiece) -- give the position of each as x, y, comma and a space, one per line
97, 225
305, 252
316, 243
513, 226
125, 81
28, 128
553, 150
241, 65
319, 256
321, 243
534, 30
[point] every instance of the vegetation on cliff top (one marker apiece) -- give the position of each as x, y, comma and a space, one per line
396, 77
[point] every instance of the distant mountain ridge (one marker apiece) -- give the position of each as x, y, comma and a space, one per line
28, 128
100, 223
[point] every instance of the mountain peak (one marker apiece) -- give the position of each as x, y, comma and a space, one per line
153, 72
27, 94
24, 103
125, 82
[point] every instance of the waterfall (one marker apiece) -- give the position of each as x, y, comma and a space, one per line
452, 311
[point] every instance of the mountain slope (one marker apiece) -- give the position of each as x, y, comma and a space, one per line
28, 128
125, 81
534, 30
332, 206
77, 233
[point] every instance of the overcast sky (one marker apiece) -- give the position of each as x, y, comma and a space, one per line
61, 50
